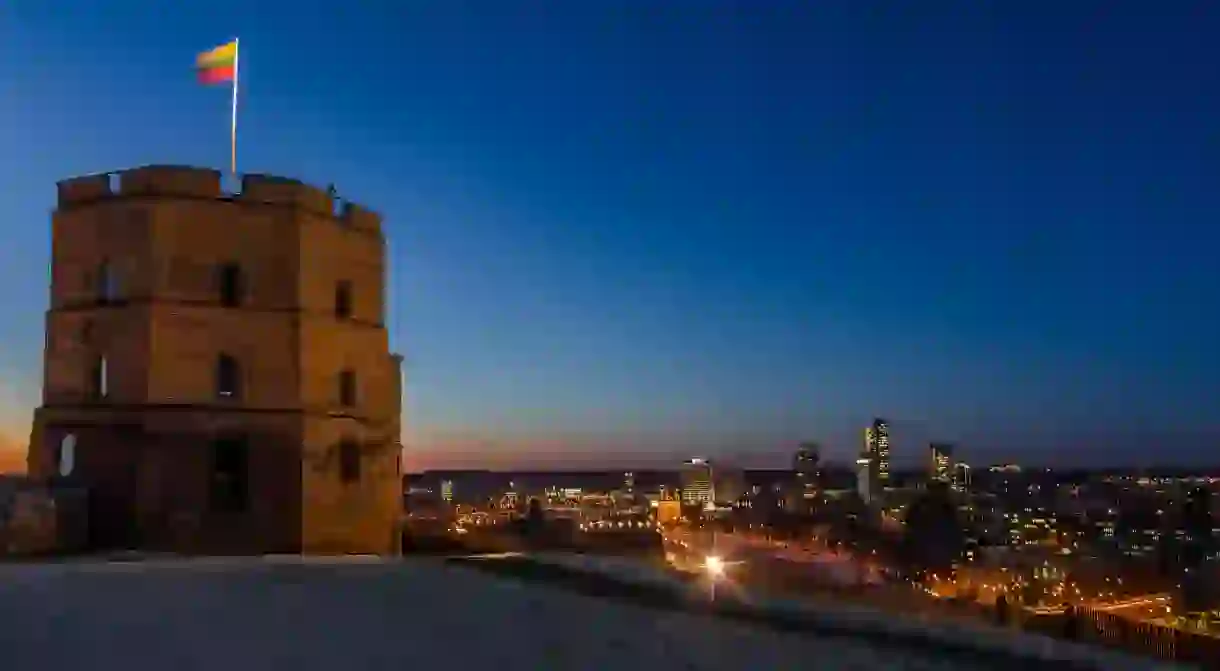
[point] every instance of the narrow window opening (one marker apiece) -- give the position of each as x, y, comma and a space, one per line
65, 458
228, 377
343, 300
347, 388
230, 475
99, 379
107, 284
349, 461
231, 285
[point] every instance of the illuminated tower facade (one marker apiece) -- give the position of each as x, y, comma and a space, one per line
698, 486
940, 462
873, 464
217, 370
881, 453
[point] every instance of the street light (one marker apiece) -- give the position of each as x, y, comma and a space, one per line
714, 566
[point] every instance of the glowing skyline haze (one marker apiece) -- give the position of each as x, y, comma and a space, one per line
625, 232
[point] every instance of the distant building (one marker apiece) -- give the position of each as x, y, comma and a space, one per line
961, 477
881, 433
865, 480
668, 511
697, 483
728, 485
806, 466
1198, 592
217, 371
875, 459
940, 462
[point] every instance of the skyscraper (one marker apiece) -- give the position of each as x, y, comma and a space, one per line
940, 462
881, 431
697, 483
874, 461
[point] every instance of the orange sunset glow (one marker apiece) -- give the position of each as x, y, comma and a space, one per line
12, 456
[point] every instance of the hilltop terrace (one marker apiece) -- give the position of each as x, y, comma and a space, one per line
365, 613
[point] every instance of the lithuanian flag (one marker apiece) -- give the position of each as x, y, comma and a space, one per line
218, 65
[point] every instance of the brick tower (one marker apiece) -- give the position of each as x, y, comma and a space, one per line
217, 370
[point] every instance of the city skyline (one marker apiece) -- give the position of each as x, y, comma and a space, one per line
626, 234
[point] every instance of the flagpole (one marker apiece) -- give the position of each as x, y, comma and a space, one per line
233, 134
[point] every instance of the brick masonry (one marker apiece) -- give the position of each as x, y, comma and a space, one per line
146, 449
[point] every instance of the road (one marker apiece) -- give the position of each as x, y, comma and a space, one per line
805, 571
810, 559
815, 569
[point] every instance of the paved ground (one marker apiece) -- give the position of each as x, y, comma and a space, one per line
254, 614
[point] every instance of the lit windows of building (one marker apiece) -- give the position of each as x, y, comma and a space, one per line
940, 462
881, 433
805, 467
960, 478
697, 483
875, 460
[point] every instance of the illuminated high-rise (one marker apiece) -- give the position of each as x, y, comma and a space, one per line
873, 465
881, 433
697, 483
940, 462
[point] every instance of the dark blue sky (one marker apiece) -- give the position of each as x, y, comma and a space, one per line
630, 231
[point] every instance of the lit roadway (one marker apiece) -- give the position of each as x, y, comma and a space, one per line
756, 552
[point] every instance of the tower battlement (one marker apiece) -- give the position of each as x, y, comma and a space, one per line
217, 368
171, 181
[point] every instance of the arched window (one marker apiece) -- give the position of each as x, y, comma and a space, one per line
66, 456
230, 284
99, 378
228, 377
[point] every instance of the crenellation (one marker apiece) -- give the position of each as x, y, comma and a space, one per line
176, 181
360, 218
170, 180
285, 191
141, 320
83, 189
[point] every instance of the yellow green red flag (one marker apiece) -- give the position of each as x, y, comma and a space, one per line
218, 65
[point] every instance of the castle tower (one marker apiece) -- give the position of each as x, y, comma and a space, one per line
217, 370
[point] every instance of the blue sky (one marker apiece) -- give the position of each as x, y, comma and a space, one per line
629, 231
